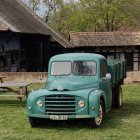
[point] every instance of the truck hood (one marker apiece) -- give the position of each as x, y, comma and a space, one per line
69, 84
83, 93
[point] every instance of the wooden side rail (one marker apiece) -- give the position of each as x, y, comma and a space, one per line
19, 96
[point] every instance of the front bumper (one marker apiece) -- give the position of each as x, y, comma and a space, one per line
69, 116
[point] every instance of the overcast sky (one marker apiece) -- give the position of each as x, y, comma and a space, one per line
42, 8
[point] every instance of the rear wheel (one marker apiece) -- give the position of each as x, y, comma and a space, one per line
96, 122
117, 97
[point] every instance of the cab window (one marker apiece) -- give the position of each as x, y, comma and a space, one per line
84, 68
103, 68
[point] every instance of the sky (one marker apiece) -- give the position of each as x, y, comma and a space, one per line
42, 8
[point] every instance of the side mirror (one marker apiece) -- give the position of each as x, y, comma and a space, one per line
108, 76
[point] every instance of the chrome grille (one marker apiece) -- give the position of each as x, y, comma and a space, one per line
60, 105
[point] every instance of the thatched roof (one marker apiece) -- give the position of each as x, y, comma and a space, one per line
15, 16
98, 39
3, 27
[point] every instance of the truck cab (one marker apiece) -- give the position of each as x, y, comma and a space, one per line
78, 86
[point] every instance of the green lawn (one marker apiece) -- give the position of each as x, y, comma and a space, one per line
122, 124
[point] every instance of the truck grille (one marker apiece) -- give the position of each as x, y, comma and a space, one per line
60, 105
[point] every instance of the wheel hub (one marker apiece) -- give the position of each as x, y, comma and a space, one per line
98, 119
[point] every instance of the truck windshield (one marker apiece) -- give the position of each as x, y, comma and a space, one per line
61, 68
84, 68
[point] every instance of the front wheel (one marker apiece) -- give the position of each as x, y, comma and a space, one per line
35, 122
96, 122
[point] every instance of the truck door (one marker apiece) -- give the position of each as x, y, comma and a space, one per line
105, 84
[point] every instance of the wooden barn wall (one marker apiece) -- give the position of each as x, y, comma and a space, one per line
56, 48
9, 41
38, 49
130, 53
38, 52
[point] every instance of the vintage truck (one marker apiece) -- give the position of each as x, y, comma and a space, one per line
79, 86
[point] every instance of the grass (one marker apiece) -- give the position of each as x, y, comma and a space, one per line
123, 123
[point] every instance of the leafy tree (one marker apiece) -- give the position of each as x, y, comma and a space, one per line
89, 15
33, 4
92, 15
52, 6
106, 15
133, 11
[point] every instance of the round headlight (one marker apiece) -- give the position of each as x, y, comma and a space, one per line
81, 103
39, 103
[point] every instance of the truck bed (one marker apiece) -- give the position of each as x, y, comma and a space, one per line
117, 68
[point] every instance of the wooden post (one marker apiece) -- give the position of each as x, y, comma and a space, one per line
1, 80
26, 92
20, 98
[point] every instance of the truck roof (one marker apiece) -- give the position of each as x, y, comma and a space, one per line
77, 56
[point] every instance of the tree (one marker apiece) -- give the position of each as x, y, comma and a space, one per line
88, 15
106, 15
92, 15
52, 6
33, 4
133, 11
66, 18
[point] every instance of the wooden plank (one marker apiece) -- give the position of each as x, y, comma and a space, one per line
11, 95
2, 77
14, 84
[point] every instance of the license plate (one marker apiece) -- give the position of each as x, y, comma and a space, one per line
58, 117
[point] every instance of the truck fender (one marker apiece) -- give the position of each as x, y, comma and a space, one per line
94, 101
30, 103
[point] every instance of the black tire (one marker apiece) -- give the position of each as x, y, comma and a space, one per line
97, 122
117, 97
34, 122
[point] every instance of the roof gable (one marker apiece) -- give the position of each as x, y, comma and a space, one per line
3, 27
15, 16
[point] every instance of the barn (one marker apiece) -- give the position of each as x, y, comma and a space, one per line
113, 45
26, 41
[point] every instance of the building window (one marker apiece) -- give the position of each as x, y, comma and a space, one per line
136, 61
136, 65
110, 56
120, 56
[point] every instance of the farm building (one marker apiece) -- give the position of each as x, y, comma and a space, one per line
26, 41
118, 45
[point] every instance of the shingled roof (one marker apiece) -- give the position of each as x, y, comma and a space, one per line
99, 39
15, 16
3, 27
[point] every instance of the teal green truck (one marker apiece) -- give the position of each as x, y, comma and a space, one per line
79, 86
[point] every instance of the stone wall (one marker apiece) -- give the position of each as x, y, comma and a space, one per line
133, 76
40, 77
33, 77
